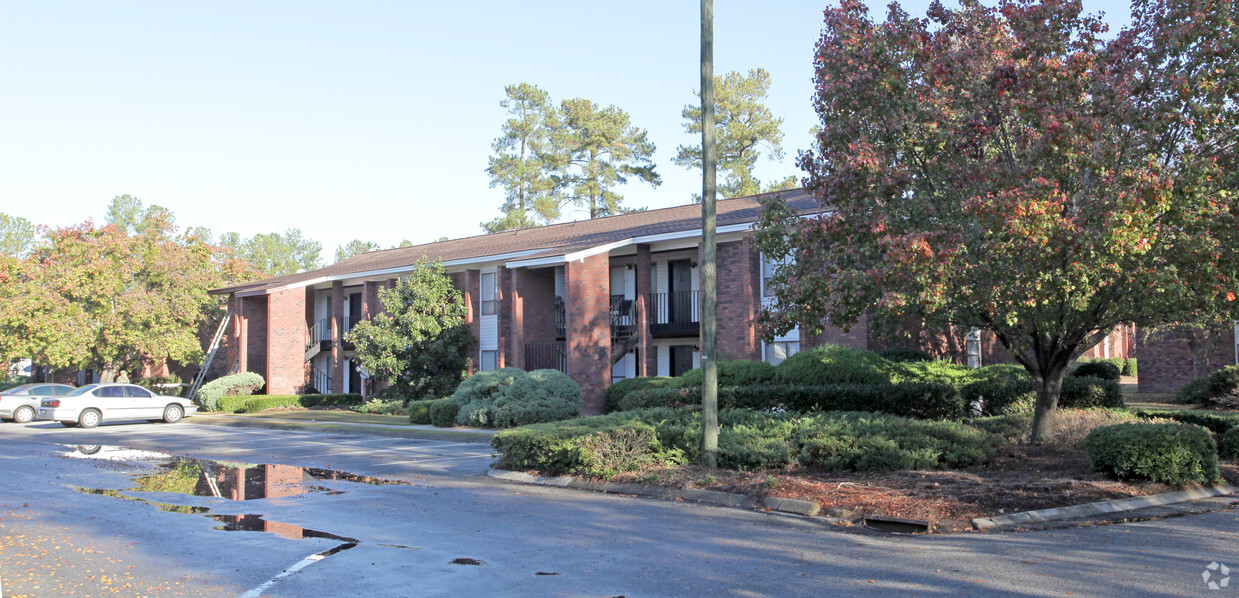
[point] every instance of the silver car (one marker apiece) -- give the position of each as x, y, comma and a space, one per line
20, 402
93, 404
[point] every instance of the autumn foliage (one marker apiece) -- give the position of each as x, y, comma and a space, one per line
1020, 169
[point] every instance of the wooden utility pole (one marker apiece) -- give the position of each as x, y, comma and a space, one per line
709, 324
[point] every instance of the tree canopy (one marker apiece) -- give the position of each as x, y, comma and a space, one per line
1011, 169
418, 342
524, 160
274, 254
17, 235
744, 128
355, 247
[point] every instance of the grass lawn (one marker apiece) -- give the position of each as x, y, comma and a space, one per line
331, 415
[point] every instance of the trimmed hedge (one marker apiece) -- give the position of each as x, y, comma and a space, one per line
443, 412
1174, 454
616, 392
254, 404
1086, 392
419, 411
917, 400
1218, 390
1218, 423
1229, 449
997, 396
476, 396
538, 396
833, 364
748, 440
904, 355
1104, 369
737, 372
244, 383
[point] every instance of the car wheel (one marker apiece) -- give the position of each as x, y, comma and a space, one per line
173, 413
89, 418
23, 415
69, 424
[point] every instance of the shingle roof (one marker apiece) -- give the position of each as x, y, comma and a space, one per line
542, 241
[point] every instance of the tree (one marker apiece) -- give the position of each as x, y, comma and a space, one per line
744, 127
524, 160
16, 235
601, 149
274, 254
418, 342
100, 298
1007, 168
128, 213
355, 247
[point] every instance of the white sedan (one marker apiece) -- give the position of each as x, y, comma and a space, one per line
20, 402
90, 405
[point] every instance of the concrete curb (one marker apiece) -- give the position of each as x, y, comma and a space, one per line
726, 499
393, 431
1104, 507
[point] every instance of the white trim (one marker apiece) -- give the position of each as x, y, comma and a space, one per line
608, 247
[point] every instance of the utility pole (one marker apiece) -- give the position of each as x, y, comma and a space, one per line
709, 324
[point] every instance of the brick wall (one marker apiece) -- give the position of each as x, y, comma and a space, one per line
647, 355
337, 331
286, 365
1166, 365
589, 329
532, 299
739, 299
469, 284
503, 283
856, 337
254, 327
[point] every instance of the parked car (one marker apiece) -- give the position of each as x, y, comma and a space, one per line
93, 404
20, 402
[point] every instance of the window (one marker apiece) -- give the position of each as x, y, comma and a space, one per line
134, 391
110, 391
490, 360
490, 306
768, 266
778, 351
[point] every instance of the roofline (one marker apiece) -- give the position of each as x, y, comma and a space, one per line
608, 247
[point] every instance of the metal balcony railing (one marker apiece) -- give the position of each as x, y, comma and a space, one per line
546, 356
674, 314
623, 318
561, 318
320, 381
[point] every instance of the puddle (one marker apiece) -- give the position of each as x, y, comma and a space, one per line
162, 506
255, 523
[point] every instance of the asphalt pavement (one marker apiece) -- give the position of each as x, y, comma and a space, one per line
343, 514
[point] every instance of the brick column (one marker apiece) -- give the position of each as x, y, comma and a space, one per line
738, 290
471, 282
647, 364
337, 342
369, 299
589, 329
514, 308
503, 282
242, 335
286, 366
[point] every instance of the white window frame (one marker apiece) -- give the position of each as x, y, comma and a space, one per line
489, 360
490, 304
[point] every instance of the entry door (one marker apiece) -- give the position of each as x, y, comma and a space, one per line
354, 310
680, 287
681, 359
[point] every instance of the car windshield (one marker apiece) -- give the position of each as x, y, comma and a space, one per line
83, 390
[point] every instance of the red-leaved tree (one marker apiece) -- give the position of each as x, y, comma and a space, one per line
1015, 169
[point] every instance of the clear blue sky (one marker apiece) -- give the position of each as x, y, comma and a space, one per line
368, 120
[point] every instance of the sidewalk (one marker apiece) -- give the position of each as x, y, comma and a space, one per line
324, 422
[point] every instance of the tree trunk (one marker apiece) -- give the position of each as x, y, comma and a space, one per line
1049, 388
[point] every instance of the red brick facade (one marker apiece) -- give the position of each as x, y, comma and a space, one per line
739, 300
287, 368
1166, 365
589, 329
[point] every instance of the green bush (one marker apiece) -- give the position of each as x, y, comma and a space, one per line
738, 372
1174, 454
476, 396
918, 400
904, 355
1218, 423
998, 396
616, 392
7, 382
1129, 367
162, 385
1219, 390
942, 372
537, 397
254, 404
443, 412
748, 440
1086, 392
1104, 369
1229, 449
382, 407
244, 383
392, 393
419, 411
832, 364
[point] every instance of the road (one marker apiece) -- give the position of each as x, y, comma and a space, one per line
69, 525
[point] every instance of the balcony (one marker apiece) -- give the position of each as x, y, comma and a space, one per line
318, 337
546, 356
676, 314
623, 319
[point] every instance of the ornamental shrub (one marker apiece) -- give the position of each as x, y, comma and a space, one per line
163, 385
443, 412
476, 396
1218, 423
1086, 392
244, 383
997, 396
381, 407
538, 396
833, 364
1219, 390
616, 392
738, 372
1129, 367
1229, 449
904, 355
254, 404
1174, 454
419, 411
1103, 369
918, 400
943, 372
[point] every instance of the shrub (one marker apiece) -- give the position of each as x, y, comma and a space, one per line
738, 372
392, 393
1175, 454
1103, 369
443, 412
7, 382
244, 383
1129, 367
476, 396
943, 372
1229, 449
1085, 392
922, 401
832, 364
254, 404
616, 392
905, 355
419, 411
748, 440
1218, 423
997, 396
539, 396
381, 407
163, 385
1217, 390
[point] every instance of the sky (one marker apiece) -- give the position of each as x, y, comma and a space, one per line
368, 120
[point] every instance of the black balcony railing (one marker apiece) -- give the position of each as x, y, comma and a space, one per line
320, 381
623, 318
561, 319
546, 356
674, 314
